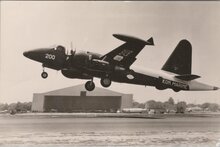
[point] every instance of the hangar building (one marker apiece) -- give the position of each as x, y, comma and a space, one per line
77, 99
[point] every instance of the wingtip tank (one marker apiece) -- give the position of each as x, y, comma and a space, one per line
127, 38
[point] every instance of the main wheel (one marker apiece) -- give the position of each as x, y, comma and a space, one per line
44, 75
90, 85
105, 82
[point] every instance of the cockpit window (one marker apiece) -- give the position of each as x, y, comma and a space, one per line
60, 48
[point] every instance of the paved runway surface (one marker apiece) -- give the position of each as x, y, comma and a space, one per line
59, 131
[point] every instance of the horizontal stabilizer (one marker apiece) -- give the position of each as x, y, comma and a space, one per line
187, 77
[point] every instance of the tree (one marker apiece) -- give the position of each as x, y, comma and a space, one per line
12, 106
171, 101
205, 106
27, 106
154, 105
151, 104
138, 105
192, 105
168, 106
20, 107
181, 107
213, 107
3, 107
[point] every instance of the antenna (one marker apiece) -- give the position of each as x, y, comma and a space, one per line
71, 45
66, 51
71, 51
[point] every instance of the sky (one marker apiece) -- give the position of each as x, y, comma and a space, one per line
89, 25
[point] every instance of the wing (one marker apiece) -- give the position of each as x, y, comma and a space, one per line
188, 77
125, 55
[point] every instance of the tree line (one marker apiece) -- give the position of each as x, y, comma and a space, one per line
179, 107
18, 107
166, 106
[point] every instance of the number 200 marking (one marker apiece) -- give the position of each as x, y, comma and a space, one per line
50, 56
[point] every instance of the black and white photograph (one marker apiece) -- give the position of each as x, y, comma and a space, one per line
109, 73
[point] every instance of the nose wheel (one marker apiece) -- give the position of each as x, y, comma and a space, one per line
90, 85
44, 75
105, 82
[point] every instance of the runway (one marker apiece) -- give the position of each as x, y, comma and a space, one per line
46, 130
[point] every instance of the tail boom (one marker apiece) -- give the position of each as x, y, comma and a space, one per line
198, 86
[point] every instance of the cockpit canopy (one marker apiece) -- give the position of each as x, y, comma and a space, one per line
60, 48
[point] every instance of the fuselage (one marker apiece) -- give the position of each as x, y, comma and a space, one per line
86, 65
115, 65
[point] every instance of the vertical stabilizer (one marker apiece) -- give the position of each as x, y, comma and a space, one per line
180, 60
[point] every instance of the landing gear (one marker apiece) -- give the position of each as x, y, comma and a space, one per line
44, 74
105, 82
90, 85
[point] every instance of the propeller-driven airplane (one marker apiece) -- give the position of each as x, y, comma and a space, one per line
115, 66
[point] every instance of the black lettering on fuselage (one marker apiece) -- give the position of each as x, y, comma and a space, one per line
174, 84
167, 82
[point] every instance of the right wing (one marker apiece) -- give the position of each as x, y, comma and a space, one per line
125, 55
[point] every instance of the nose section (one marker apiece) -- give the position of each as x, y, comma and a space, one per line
30, 54
26, 53
36, 54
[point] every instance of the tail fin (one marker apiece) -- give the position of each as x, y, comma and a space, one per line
180, 60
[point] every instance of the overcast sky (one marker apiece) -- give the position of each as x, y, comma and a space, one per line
90, 25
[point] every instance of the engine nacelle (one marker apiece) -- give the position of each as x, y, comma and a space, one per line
74, 73
100, 65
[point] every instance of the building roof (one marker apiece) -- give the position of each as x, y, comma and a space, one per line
76, 91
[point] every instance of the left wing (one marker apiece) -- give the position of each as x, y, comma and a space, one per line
125, 55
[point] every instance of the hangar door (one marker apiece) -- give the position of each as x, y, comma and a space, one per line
82, 103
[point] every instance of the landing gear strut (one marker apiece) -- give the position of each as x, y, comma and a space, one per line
105, 82
44, 74
90, 85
